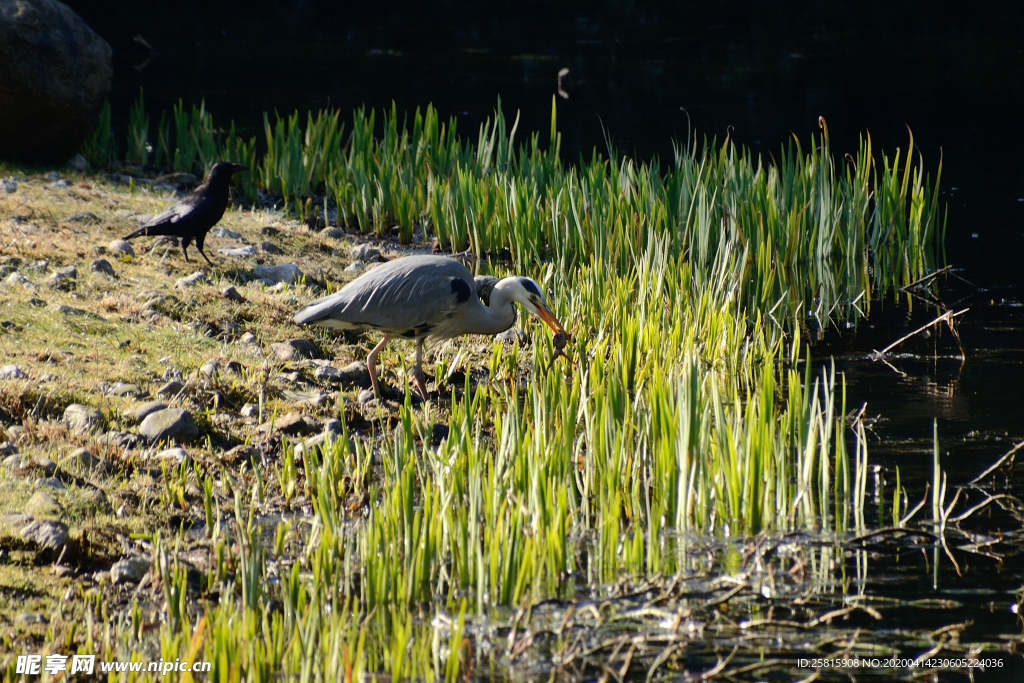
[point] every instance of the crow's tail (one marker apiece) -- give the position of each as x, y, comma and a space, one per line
161, 229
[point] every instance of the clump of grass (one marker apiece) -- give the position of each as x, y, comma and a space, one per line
138, 132
99, 148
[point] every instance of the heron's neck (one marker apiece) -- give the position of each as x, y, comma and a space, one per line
500, 315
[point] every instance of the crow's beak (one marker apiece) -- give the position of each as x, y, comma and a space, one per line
549, 318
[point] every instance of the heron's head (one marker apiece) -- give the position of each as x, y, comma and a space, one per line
531, 296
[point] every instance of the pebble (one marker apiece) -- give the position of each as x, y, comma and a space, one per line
208, 369
80, 417
52, 483
83, 217
36, 302
52, 176
295, 424
249, 410
294, 349
129, 570
8, 185
11, 371
231, 294
20, 280
224, 232
126, 389
170, 423
173, 457
30, 619
354, 267
102, 265
121, 247
45, 534
287, 273
267, 230
78, 163
148, 408
238, 252
191, 280
270, 248
333, 233
365, 396
119, 439
305, 398
84, 459
248, 338
42, 504
365, 252
170, 389
353, 374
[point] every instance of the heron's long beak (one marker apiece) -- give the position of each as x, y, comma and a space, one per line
549, 318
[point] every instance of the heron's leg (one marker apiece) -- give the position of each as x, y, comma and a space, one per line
418, 376
371, 364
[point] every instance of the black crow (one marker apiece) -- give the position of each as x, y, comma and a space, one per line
192, 217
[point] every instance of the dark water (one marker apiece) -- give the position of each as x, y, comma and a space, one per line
953, 73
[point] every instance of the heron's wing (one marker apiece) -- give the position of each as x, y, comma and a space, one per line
410, 297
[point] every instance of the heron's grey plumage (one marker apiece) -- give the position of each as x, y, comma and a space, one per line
424, 296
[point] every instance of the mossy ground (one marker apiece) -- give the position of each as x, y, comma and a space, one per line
138, 328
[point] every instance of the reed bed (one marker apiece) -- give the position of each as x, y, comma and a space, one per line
690, 411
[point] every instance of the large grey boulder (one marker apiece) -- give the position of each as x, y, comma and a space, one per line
55, 73
170, 423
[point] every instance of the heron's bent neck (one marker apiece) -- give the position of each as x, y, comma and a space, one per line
501, 313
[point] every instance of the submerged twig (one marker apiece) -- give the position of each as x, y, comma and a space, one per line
998, 463
946, 317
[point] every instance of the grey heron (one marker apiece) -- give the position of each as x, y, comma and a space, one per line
417, 297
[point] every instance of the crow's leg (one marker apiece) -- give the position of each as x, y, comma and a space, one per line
199, 246
184, 248
371, 364
418, 376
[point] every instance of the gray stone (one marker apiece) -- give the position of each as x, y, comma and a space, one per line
45, 534
305, 398
61, 184
191, 280
102, 265
512, 335
353, 374
82, 418
270, 248
269, 230
333, 233
289, 379
287, 273
129, 570
170, 423
120, 439
224, 232
83, 217
366, 396
52, 176
42, 504
332, 425
17, 462
248, 338
238, 252
354, 267
30, 619
295, 424
208, 369
365, 252
11, 371
121, 247
294, 349
78, 163
8, 185
126, 389
52, 483
231, 294
20, 280
48, 466
56, 73
146, 409
170, 389
83, 459
248, 410
172, 457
